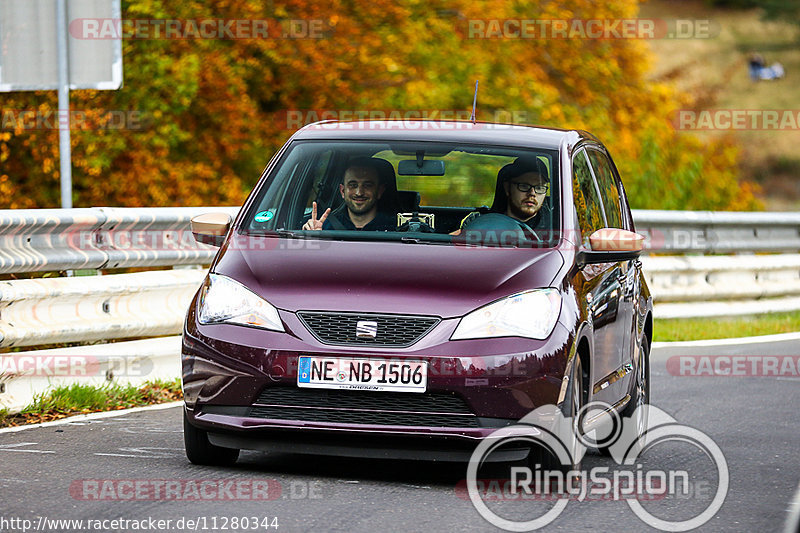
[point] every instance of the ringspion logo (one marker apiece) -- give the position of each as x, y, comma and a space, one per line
632, 480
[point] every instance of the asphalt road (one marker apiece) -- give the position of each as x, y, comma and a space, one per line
89, 470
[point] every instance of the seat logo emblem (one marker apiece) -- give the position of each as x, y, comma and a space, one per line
366, 329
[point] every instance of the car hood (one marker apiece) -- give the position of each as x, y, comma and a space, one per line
383, 277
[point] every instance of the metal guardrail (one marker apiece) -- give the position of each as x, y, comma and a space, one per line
703, 278
94, 308
23, 375
686, 286
42, 240
701, 284
718, 231
39, 240
123, 306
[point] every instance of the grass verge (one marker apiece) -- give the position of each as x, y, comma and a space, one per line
691, 329
77, 399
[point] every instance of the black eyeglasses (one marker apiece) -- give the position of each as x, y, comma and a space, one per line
526, 187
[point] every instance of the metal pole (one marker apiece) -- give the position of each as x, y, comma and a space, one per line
65, 150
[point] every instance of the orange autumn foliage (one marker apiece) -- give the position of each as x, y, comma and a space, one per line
205, 115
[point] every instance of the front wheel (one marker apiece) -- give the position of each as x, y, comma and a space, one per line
641, 390
636, 410
200, 451
571, 408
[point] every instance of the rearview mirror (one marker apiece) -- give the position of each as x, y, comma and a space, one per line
428, 167
211, 228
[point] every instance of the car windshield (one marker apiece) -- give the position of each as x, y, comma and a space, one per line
418, 192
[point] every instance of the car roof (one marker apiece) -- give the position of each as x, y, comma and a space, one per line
443, 131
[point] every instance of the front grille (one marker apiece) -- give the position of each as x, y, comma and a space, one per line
375, 401
362, 417
359, 407
396, 331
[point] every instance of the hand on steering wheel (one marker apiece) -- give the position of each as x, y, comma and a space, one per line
498, 222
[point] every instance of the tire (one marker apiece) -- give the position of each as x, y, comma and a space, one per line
573, 402
641, 389
201, 452
640, 396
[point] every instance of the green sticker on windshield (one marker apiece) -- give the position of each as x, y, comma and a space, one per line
264, 216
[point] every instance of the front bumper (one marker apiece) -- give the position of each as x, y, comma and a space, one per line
240, 385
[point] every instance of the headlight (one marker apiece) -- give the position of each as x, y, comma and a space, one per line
527, 314
225, 300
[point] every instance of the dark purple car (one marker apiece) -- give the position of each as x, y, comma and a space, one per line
465, 275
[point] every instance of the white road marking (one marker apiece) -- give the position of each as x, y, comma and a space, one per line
14, 448
780, 337
145, 453
92, 416
139, 429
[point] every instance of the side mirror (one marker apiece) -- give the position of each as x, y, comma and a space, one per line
211, 228
610, 245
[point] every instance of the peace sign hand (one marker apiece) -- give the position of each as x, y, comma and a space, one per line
313, 223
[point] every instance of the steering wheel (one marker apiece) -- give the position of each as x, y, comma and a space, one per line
497, 222
416, 224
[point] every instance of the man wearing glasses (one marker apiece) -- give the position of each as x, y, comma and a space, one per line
525, 186
520, 194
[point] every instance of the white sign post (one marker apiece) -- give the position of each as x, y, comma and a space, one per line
33, 57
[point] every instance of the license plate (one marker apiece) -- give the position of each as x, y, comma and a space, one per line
362, 374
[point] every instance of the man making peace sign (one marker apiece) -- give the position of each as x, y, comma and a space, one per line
361, 189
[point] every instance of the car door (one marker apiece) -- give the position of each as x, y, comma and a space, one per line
626, 271
615, 200
602, 286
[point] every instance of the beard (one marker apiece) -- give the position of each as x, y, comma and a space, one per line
357, 209
522, 211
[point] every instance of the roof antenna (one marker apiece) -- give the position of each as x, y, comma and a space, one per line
474, 101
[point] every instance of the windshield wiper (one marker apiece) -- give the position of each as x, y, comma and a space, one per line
423, 240
288, 233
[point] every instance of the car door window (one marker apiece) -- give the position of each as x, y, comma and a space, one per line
319, 171
607, 184
587, 202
